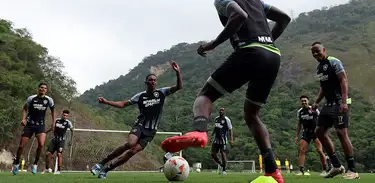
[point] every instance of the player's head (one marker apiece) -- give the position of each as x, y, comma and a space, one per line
221, 111
65, 114
42, 89
304, 100
151, 82
318, 51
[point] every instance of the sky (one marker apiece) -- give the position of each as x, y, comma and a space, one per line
99, 40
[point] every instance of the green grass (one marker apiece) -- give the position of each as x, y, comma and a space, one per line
204, 177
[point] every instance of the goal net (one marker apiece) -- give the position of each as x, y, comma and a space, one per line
244, 166
90, 146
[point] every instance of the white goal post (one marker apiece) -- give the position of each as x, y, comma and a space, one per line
84, 137
244, 166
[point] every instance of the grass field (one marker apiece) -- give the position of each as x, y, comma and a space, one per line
159, 177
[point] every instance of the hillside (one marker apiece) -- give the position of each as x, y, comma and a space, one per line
23, 65
345, 30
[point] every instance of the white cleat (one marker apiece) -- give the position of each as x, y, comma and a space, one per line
49, 170
351, 175
324, 173
335, 171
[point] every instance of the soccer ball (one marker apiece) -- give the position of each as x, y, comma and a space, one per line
198, 170
176, 169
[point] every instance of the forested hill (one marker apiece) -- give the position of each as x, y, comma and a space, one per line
347, 31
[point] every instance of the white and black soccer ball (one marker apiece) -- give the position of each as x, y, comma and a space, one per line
176, 169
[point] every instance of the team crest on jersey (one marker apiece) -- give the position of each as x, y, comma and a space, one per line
45, 101
60, 149
325, 67
156, 94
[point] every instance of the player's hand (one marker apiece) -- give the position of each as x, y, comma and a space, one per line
231, 143
175, 66
205, 47
343, 108
314, 106
102, 100
23, 122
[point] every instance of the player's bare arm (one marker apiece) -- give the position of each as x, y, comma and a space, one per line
281, 18
318, 99
298, 131
344, 90
24, 114
178, 86
53, 119
237, 17
118, 104
71, 135
231, 136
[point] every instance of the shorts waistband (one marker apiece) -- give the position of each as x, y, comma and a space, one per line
332, 103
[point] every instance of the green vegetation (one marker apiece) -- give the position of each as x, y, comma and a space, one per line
346, 31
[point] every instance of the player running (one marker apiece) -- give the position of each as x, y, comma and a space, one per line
255, 59
307, 118
33, 120
58, 141
223, 128
334, 88
150, 104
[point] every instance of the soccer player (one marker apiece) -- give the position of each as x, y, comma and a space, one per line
334, 88
223, 128
58, 141
150, 104
33, 120
307, 118
255, 61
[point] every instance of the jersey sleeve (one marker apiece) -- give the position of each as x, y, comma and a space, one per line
222, 5
29, 100
135, 99
229, 123
266, 7
298, 113
70, 124
51, 103
166, 90
337, 65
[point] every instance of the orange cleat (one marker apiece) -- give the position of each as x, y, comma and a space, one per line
276, 175
192, 139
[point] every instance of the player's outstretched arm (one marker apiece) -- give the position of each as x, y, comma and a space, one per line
118, 104
178, 86
281, 18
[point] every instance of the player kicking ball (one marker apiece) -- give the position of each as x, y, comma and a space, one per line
150, 104
307, 118
255, 61
58, 141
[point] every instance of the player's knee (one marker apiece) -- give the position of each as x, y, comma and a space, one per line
320, 132
210, 92
342, 133
59, 155
48, 154
136, 149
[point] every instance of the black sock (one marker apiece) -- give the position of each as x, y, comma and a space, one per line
302, 169
200, 124
47, 167
16, 161
58, 168
36, 160
335, 161
351, 163
224, 167
109, 168
269, 161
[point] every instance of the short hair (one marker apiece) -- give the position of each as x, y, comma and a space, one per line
303, 96
66, 111
316, 42
149, 76
40, 84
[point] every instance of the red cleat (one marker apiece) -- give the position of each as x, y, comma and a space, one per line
276, 175
192, 139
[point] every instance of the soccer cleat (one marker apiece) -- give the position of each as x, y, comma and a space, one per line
102, 175
276, 175
224, 173
96, 169
34, 169
324, 173
220, 170
299, 174
15, 169
57, 173
335, 171
49, 170
351, 175
192, 139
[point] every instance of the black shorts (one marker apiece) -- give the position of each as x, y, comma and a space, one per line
219, 147
257, 65
309, 136
29, 131
144, 135
330, 116
56, 145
